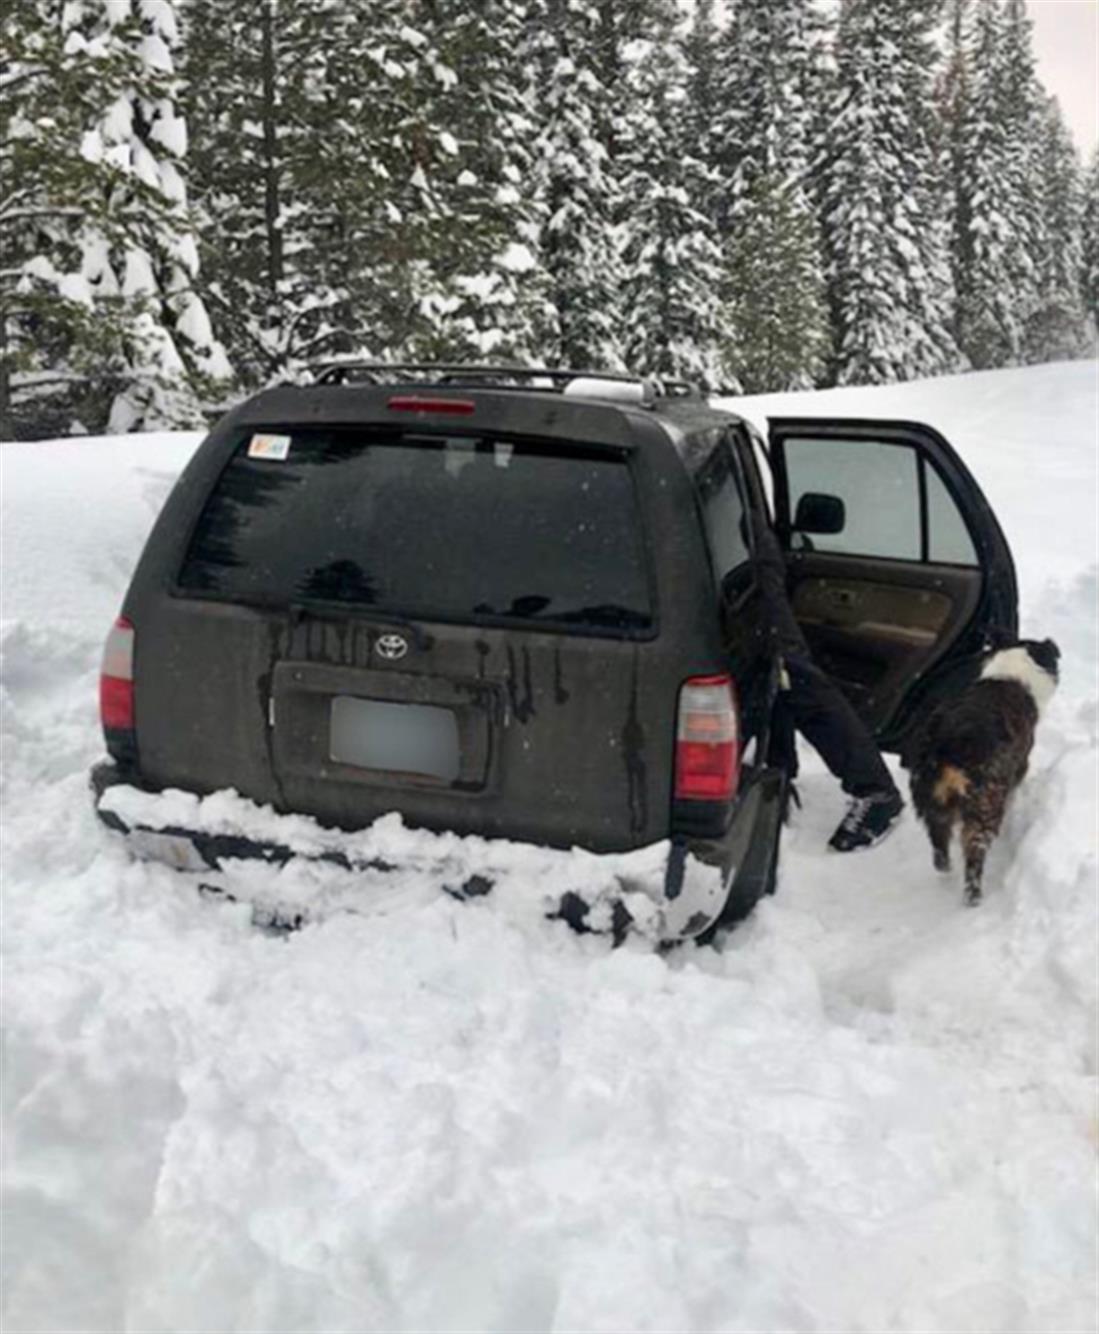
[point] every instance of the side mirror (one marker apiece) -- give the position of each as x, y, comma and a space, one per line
818, 513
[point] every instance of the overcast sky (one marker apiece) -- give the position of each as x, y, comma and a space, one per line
1066, 33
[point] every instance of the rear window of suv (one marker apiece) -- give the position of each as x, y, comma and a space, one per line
452, 527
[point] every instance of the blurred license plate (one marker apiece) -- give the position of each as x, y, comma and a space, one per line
151, 845
404, 738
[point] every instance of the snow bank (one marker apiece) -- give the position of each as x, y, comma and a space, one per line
874, 1110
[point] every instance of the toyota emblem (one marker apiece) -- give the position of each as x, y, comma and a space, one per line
391, 647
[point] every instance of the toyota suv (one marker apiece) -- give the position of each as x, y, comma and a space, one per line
521, 604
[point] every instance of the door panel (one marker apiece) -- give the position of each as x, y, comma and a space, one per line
877, 625
917, 576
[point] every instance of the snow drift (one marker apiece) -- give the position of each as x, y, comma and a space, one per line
872, 1110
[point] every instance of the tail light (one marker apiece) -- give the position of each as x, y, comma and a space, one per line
116, 689
707, 745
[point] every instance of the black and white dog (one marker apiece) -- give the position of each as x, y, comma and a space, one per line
972, 752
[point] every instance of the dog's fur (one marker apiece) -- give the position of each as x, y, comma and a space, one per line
973, 751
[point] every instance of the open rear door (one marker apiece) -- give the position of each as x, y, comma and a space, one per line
899, 571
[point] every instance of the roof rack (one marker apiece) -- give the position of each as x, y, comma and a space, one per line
549, 379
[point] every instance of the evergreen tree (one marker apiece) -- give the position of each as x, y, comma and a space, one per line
671, 260
579, 247
774, 290
1089, 266
886, 242
1056, 327
701, 111
999, 226
472, 93
953, 101
777, 334
360, 165
580, 181
99, 280
292, 199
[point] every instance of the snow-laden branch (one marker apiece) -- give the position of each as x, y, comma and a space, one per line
14, 80
306, 347
22, 214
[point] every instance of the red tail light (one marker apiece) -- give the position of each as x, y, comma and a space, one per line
415, 403
116, 679
707, 744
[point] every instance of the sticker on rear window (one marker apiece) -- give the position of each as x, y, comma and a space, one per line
269, 447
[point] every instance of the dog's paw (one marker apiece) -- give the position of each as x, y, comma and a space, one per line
941, 861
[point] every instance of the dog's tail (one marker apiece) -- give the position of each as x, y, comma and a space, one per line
939, 787
950, 785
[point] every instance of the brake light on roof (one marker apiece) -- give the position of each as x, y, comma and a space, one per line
707, 744
418, 403
116, 680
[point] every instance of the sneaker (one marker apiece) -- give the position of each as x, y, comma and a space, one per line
868, 820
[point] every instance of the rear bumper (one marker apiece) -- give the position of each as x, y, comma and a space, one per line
677, 889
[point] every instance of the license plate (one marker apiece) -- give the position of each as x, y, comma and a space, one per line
417, 739
152, 846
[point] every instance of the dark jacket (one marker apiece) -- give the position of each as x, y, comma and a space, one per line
781, 628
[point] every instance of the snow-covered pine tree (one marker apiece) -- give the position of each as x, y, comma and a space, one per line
575, 188
952, 100
775, 312
475, 220
360, 164
998, 222
100, 255
1089, 266
886, 244
671, 309
700, 113
1056, 329
284, 180
776, 322
45, 305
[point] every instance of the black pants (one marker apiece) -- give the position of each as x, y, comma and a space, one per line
819, 710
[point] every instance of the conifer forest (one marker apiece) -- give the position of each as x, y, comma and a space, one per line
201, 197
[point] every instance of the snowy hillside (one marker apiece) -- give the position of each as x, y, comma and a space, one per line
873, 1110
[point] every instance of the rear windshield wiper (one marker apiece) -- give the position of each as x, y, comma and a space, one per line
300, 611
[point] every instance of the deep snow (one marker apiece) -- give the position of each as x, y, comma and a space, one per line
874, 1110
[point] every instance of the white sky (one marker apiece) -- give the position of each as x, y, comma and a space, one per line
1066, 35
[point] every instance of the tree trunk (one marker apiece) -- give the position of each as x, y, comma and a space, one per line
271, 200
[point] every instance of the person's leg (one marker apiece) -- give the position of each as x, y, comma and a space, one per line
824, 716
782, 750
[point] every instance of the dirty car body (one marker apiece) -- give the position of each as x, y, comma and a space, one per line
478, 599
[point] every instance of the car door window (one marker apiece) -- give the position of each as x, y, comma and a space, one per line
896, 506
723, 513
949, 541
879, 487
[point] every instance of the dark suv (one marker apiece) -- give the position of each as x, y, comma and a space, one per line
521, 604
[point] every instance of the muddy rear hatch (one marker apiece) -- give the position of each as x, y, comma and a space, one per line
451, 623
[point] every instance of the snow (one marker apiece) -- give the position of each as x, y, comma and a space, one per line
139, 278
118, 121
153, 53
145, 165
91, 145
873, 1109
169, 130
517, 258
193, 322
